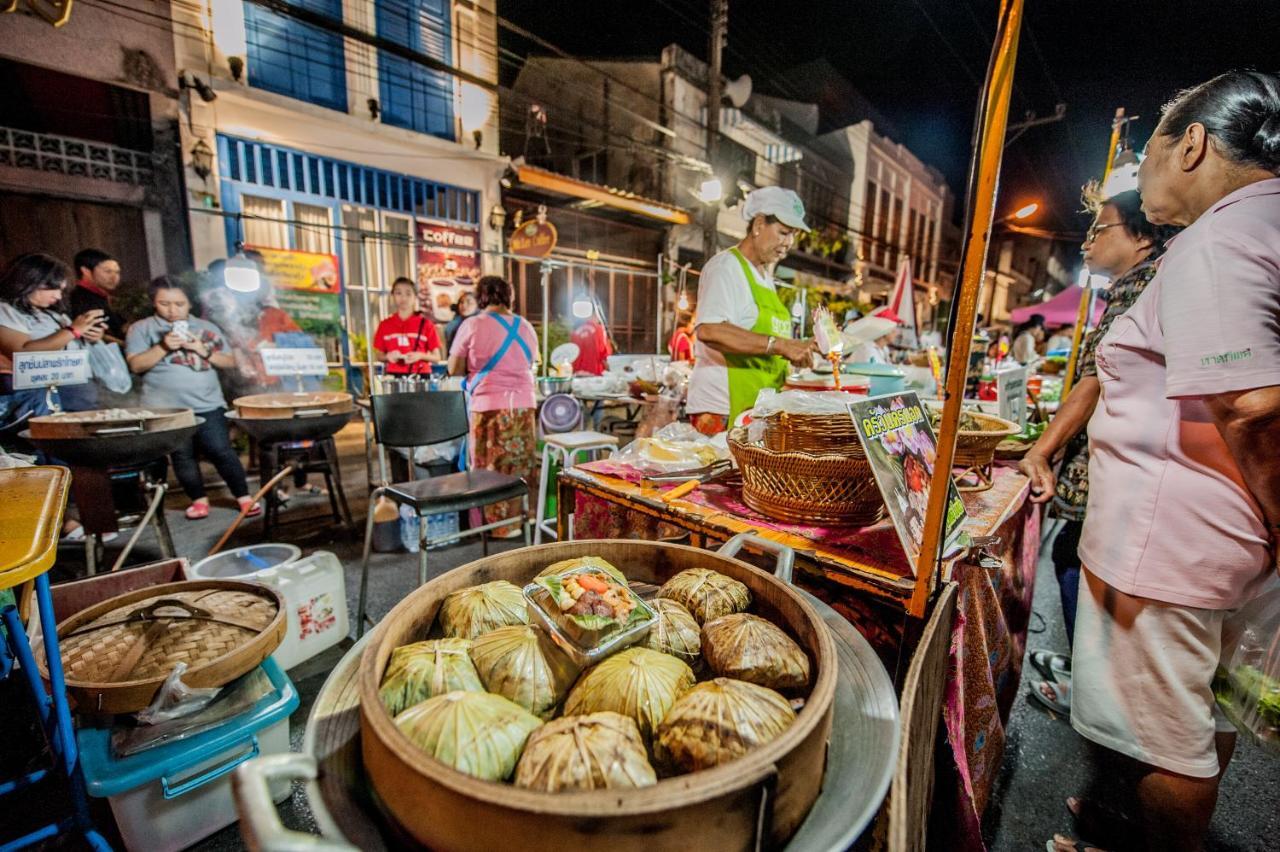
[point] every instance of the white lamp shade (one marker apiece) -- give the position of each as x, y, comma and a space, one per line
242, 275
582, 308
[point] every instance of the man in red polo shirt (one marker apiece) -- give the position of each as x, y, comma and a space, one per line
593, 347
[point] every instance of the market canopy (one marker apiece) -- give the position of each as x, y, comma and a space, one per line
1062, 309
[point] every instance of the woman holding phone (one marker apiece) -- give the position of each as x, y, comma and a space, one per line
407, 341
32, 319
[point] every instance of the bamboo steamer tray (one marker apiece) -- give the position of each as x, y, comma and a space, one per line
832, 488
111, 421
116, 654
763, 796
276, 406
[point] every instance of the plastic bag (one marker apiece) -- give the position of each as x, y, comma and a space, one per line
1248, 687
445, 451
109, 367
232, 700
175, 699
801, 402
675, 447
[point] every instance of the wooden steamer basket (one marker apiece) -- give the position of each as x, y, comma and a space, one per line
277, 406
117, 653
766, 792
835, 487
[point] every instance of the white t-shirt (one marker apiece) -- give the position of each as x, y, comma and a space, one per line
724, 295
36, 325
1024, 348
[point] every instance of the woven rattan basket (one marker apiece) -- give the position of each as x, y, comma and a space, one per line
117, 654
817, 434
802, 488
975, 448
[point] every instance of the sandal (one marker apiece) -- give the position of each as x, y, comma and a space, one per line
1060, 703
1060, 843
196, 511
1110, 825
1050, 664
253, 512
313, 490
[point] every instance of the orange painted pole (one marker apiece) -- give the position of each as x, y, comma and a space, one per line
989, 149
1086, 298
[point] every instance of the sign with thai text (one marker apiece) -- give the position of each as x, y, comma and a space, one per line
294, 362
42, 369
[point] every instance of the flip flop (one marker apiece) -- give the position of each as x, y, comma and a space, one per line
1056, 843
1050, 663
1061, 702
253, 512
196, 511
1110, 825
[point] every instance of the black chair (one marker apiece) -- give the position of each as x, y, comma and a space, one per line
417, 419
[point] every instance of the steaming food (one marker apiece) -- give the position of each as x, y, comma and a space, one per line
675, 632
474, 732
706, 594
718, 721
424, 670
102, 415
639, 682
748, 647
599, 751
471, 612
521, 664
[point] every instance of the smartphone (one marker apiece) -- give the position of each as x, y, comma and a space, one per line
182, 328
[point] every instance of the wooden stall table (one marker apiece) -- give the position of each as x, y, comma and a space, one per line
864, 575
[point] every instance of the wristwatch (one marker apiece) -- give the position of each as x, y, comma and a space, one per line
769, 348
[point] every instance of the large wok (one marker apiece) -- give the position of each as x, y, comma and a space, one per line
127, 446
298, 427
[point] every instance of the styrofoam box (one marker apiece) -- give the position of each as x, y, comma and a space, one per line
315, 598
167, 798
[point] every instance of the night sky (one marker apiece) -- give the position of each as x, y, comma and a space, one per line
920, 62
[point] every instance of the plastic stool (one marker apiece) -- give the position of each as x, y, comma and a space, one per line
564, 448
31, 517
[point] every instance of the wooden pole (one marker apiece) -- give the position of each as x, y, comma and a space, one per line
988, 151
1086, 298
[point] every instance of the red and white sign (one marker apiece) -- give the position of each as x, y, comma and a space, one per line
448, 266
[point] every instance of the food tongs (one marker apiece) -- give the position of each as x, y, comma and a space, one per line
717, 471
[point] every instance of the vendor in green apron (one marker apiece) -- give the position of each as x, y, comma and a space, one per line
743, 329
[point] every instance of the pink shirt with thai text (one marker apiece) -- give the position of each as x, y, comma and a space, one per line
510, 383
1170, 517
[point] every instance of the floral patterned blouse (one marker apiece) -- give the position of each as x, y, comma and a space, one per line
1073, 480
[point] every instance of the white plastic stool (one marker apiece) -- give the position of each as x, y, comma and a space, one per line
565, 448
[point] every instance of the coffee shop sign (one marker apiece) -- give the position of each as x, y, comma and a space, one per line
534, 239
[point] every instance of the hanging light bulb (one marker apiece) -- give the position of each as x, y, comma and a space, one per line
242, 274
682, 303
582, 307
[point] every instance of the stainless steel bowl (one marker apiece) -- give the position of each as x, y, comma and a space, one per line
548, 385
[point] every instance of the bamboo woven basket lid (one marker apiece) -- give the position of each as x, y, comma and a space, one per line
117, 654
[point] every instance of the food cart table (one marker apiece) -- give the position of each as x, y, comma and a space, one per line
31, 509
864, 575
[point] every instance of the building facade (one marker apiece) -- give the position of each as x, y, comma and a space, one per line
89, 139
364, 130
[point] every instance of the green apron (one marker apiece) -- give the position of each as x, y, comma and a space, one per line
749, 373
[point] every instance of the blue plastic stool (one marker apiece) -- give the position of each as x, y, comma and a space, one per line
31, 516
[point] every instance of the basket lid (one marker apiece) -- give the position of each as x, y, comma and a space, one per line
142, 635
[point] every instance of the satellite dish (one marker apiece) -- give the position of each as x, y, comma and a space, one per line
739, 91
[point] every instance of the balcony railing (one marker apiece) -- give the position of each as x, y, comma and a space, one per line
45, 152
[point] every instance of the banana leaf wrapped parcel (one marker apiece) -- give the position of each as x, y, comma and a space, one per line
638, 682
564, 566
471, 612
478, 733
748, 647
599, 751
675, 632
718, 721
521, 663
424, 670
706, 594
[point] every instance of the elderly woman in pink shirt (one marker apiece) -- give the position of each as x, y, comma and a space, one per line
495, 350
1184, 496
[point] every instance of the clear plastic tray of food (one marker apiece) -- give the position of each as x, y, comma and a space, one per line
587, 613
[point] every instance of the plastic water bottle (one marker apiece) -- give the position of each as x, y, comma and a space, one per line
409, 522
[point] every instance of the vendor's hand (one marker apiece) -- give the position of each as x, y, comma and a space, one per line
87, 321
1043, 483
173, 341
798, 352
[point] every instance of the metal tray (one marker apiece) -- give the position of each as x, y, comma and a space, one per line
861, 755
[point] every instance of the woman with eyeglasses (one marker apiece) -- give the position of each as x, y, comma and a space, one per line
1179, 542
1122, 246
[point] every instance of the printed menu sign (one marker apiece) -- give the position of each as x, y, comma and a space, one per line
294, 362
901, 447
42, 369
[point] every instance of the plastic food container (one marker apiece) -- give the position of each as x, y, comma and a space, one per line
168, 797
585, 648
314, 589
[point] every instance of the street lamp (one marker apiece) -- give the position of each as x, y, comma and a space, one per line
242, 274
711, 191
1026, 211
